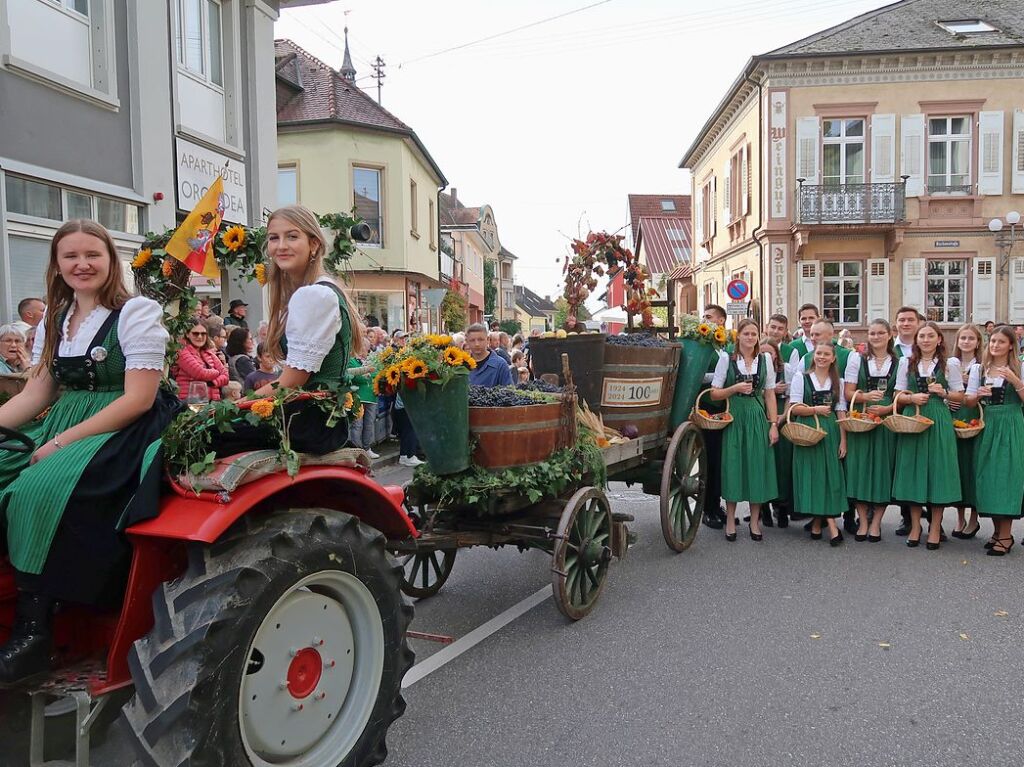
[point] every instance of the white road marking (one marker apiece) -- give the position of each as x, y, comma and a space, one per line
473, 638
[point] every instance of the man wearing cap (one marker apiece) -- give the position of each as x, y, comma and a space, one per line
236, 314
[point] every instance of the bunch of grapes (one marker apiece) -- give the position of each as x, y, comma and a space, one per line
542, 386
498, 396
637, 339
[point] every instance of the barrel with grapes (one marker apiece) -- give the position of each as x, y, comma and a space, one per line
518, 426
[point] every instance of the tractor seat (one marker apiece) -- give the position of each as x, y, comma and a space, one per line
232, 471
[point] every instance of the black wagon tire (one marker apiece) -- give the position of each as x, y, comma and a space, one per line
424, 573
282, 644
684, 482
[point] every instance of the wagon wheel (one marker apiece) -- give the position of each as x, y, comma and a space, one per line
582, 552
684, 482
425, 573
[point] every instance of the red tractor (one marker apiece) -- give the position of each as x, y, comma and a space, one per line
263, 626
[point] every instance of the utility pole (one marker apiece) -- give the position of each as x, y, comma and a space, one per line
378, 74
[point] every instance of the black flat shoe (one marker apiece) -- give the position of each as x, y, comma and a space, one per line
731, 537
913, 542
756, 536
874, 538
932, 546
964, 535
860, 537
815, 536
836, 541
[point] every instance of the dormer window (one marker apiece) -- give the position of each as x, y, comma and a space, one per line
668, 204
967, 26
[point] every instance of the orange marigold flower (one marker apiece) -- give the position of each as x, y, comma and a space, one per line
167, 267
264, 408
142, 258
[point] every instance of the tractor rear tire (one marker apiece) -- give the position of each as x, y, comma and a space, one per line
214, 632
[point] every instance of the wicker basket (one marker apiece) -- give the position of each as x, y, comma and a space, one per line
802, 434
905, 424
710, 424
970, 432
856, 425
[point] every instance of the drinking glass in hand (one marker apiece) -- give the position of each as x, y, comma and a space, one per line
198, 395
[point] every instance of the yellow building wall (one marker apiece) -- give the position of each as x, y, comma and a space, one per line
324, 159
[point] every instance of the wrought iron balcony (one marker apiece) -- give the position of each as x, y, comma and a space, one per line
851, 203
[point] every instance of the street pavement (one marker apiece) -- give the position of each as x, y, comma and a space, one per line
786, 652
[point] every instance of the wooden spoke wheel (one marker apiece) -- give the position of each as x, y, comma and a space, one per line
424, 574
582, 552
684, 482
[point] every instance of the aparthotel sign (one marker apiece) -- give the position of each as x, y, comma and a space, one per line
197, 166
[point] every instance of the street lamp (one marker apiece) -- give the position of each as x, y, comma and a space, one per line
1005, 240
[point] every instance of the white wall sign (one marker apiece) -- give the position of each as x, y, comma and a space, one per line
197, 166
779, 270
777, 153
631, 392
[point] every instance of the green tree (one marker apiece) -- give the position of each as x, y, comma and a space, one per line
453, 311
490, 289
562, 310
511, 326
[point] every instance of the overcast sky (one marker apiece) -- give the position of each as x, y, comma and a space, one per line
555, 124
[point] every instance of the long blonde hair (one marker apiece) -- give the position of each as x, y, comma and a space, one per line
59, 295
1012, 360
282, 287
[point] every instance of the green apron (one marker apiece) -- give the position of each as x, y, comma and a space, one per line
926, 469
870, 456
748, 458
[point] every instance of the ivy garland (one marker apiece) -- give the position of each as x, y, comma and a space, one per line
481, 490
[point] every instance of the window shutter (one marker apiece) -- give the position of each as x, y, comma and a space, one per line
808, 289
883, 150
1017, 291
808, 133
698, 216
984, 289
913, 283
912, 154
713, 217
1017, 183
745, 180
878, 289
990, 153
727, 192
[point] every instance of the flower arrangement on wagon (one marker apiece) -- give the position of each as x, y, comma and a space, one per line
599, 254
695, 329
428, 358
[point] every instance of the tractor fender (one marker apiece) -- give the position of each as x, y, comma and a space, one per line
204, 518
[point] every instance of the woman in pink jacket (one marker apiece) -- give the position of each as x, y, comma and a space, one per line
198, 361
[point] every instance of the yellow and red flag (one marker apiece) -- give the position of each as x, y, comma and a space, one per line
192, 243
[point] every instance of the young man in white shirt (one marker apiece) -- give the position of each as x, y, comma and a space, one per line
908, 320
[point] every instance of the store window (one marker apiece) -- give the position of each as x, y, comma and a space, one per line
841, 291
947, 291
31, 198
843, 152
366, 188
36, 199
949, 155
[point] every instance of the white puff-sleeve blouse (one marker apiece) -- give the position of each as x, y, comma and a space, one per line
796, 390
314, 319
140, 332
954, 377
722, 369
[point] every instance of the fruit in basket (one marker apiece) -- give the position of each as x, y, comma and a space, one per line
958, 424
548, 334
975, 422
629, 431
560, 333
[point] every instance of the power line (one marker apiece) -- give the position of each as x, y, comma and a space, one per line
506, 32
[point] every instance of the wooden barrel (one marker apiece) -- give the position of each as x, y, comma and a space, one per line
639, 383
516, 436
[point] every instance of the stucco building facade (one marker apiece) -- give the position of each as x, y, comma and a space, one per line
858, 169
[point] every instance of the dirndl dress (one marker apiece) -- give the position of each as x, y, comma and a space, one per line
819, 486
64, 515
871, 455
748, 457
999, 455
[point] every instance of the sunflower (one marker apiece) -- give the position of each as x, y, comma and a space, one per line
167, 267
721, 335
393, 375
468, 361
260, 273
379, 383
414, 368
732, 335
348, 401
142, 258
703, 328
452, 355
386, 352
264, 408
234, 239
